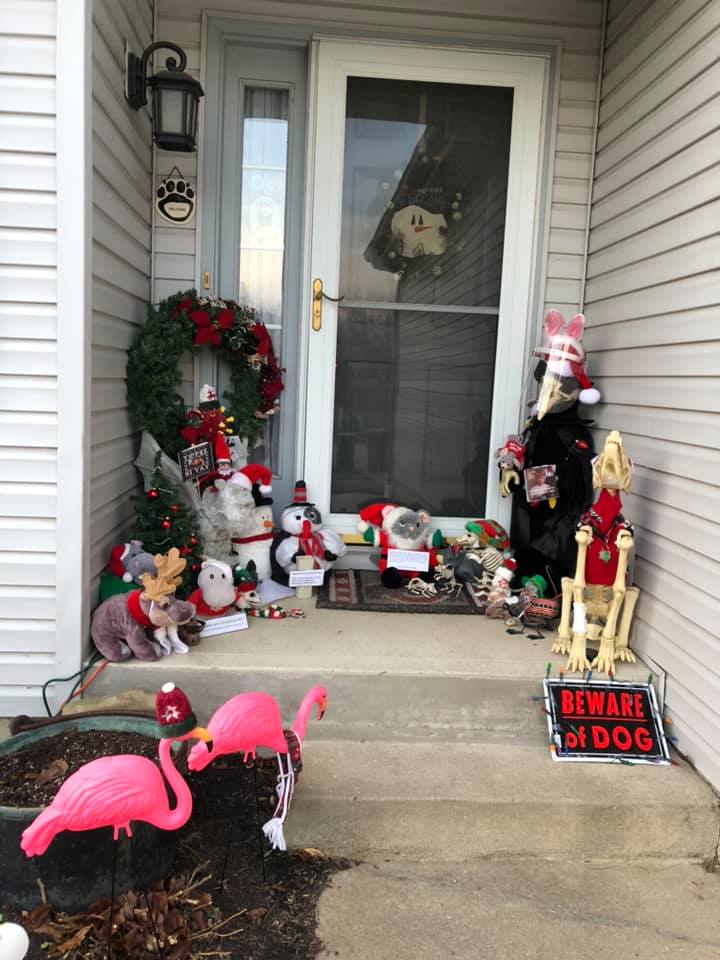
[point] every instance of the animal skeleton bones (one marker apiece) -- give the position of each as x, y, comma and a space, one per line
604, 540
421, 588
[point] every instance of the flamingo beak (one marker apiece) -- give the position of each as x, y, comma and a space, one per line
322, 707
200, 733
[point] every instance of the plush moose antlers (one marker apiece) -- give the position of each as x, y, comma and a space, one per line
169, 566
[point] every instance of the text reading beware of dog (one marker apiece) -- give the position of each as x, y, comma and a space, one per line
604, 721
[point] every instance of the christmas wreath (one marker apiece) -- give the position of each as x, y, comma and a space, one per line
186, 322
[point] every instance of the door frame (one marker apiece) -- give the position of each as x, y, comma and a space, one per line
314, 25
333, 61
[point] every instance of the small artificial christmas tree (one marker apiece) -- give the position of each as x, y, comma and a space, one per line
162, 521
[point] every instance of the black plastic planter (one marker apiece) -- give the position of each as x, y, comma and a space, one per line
77, 867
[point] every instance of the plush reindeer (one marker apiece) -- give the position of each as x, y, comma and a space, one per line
597, 593
122, 625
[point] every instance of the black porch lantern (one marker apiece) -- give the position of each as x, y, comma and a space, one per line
175, 97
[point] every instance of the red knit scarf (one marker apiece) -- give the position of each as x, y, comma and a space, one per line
136, 611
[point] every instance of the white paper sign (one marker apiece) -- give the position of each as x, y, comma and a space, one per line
307, 578
409, 560
236, 621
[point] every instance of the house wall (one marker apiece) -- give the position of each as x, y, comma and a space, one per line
28, 351
652, 295
576, 23
122, 214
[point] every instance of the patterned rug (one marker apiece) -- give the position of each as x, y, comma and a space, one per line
362, 590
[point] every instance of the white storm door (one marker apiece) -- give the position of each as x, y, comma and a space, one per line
425, 169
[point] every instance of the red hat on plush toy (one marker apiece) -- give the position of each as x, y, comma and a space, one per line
116, 565
253, 474
173, 712
372, 516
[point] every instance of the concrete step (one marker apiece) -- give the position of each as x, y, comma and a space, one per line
521, 910
460, 801
389, 676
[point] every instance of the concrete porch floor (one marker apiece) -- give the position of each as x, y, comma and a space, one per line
387, 673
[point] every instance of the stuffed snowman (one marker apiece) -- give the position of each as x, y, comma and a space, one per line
418, 232
302, 534
253, 544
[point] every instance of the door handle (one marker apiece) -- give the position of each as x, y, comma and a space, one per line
318, 296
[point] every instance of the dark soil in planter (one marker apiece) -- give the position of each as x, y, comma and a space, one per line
252, 917
31, 777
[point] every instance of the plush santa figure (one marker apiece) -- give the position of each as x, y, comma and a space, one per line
254, 544
255, 478
389, 526
302, 534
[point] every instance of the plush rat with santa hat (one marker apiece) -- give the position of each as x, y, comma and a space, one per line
302, 534
389, 526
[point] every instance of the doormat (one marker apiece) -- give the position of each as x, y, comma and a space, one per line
362, 590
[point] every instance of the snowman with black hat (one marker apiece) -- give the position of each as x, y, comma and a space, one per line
303, 535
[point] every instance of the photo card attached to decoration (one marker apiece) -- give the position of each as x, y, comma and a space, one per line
175, 198
196, 461
604, 721
541, 483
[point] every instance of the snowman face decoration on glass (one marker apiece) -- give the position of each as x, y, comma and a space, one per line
420, 232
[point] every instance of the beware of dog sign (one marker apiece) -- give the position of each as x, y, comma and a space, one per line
604, 721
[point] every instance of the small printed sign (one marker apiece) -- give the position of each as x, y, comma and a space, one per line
307, 578
412, 560
541, 483
604, 721
234, 621
196, 461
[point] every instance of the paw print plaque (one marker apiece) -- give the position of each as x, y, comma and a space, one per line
175, 198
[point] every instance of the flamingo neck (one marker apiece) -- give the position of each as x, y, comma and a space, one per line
302, 717
180, 814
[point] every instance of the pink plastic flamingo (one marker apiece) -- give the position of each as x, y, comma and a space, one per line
252, 720
114, 791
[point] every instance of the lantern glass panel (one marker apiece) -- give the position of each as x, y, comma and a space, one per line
171, 113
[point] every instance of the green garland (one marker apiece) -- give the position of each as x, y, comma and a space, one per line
185, 323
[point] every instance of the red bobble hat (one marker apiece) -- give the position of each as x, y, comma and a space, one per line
173, 712
116, 565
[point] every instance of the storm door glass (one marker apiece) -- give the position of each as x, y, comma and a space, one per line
423, 220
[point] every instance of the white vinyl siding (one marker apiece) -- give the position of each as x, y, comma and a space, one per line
122, 211
653, 297
28, 352
573, 23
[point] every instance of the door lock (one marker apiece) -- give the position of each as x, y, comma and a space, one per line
318, 296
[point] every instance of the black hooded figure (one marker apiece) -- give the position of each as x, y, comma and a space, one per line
542, 532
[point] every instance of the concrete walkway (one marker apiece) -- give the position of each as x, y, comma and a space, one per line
398, 909
432, 770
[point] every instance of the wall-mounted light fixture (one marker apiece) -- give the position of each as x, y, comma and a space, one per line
175, 97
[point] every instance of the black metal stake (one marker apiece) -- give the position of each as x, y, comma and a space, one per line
227, 853
161, 952
259, 828
112, 899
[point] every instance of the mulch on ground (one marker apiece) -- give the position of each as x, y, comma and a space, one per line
32, 776
256, 915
